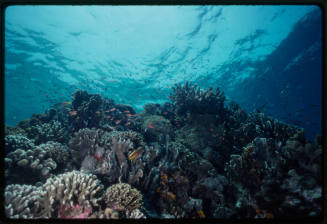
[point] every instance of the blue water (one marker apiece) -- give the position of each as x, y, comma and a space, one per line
266, 58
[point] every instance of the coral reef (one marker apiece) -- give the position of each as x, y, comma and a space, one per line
116, 154
192, 158
122, 197
22, 201
288, 183
14, 131
71, 192
41, 161
156, 128
18, 141
85, 110
52, 131
190, 98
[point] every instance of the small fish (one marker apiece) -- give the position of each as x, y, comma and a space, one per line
118, 121
164, 177
98, 112
128, 123
126, 111
98, 157
135, 154
201, 214
269, 215
150, 126
112, 109
172, 195
165, 112
108, 116
128, 115
211, 129
73, 112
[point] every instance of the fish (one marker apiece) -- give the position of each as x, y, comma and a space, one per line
201, 214
128, 123
164, 177
211, 129
112, 109
135, 154
98, 157
172, 195
98, 112
108, 116
150, 126
117, 122
73, 113
126, 111
269, 215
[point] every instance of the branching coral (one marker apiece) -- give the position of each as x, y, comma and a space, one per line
117, 155
70, 189
42, 160
86, 110
190, 98
13, 142
156, 127
122, 197
52, 131
22, 201
84, 143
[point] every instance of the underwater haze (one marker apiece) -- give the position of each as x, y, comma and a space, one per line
132, 98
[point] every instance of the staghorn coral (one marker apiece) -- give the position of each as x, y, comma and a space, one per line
18, 141
190, 98
70, 189
22, 201
43, 160
122, 197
